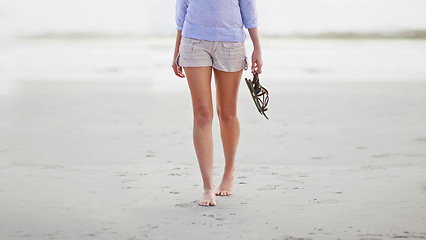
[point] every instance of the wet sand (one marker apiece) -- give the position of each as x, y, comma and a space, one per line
114, 160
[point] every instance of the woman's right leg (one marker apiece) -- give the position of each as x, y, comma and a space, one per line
199, 81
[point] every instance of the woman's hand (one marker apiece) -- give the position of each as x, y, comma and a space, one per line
178, 70
256, 57
256, 62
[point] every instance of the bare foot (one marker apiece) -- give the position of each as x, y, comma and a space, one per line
225, 187
208, 199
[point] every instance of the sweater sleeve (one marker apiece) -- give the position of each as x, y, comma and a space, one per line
181, 7
248, 13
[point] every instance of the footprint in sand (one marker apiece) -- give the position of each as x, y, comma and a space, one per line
329, 201
385, 155
173, 174
186, 205
320, 157
361, 148
5, 150
150, 154
268, 187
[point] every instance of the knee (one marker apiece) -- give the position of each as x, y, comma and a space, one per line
226, 117
203, 118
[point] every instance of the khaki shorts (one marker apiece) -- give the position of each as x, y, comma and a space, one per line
223, 56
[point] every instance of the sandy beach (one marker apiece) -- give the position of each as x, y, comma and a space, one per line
93, 149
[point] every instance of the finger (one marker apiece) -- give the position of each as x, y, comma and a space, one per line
253, 67
180, 72
175, 69
259, 69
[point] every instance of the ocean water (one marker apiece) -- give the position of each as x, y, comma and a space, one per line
149, 61
142, 44
156, 17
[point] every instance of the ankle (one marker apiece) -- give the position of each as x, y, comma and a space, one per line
228, 173
209, 188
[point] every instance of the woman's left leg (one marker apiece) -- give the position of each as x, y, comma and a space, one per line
227, 85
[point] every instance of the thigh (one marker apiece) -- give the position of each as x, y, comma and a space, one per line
199, 81
227, 86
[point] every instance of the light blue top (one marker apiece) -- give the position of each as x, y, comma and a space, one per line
216, 20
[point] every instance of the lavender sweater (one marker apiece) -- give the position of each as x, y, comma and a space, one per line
216, 20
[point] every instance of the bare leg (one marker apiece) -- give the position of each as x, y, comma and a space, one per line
227, 85
199, 81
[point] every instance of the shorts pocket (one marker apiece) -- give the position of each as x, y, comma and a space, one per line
187, 44
234, 49
231, 45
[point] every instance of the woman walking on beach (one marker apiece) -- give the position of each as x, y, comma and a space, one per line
210, 40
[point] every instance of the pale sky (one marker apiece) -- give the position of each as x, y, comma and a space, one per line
277, 17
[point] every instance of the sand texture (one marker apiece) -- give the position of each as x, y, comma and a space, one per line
94, 159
